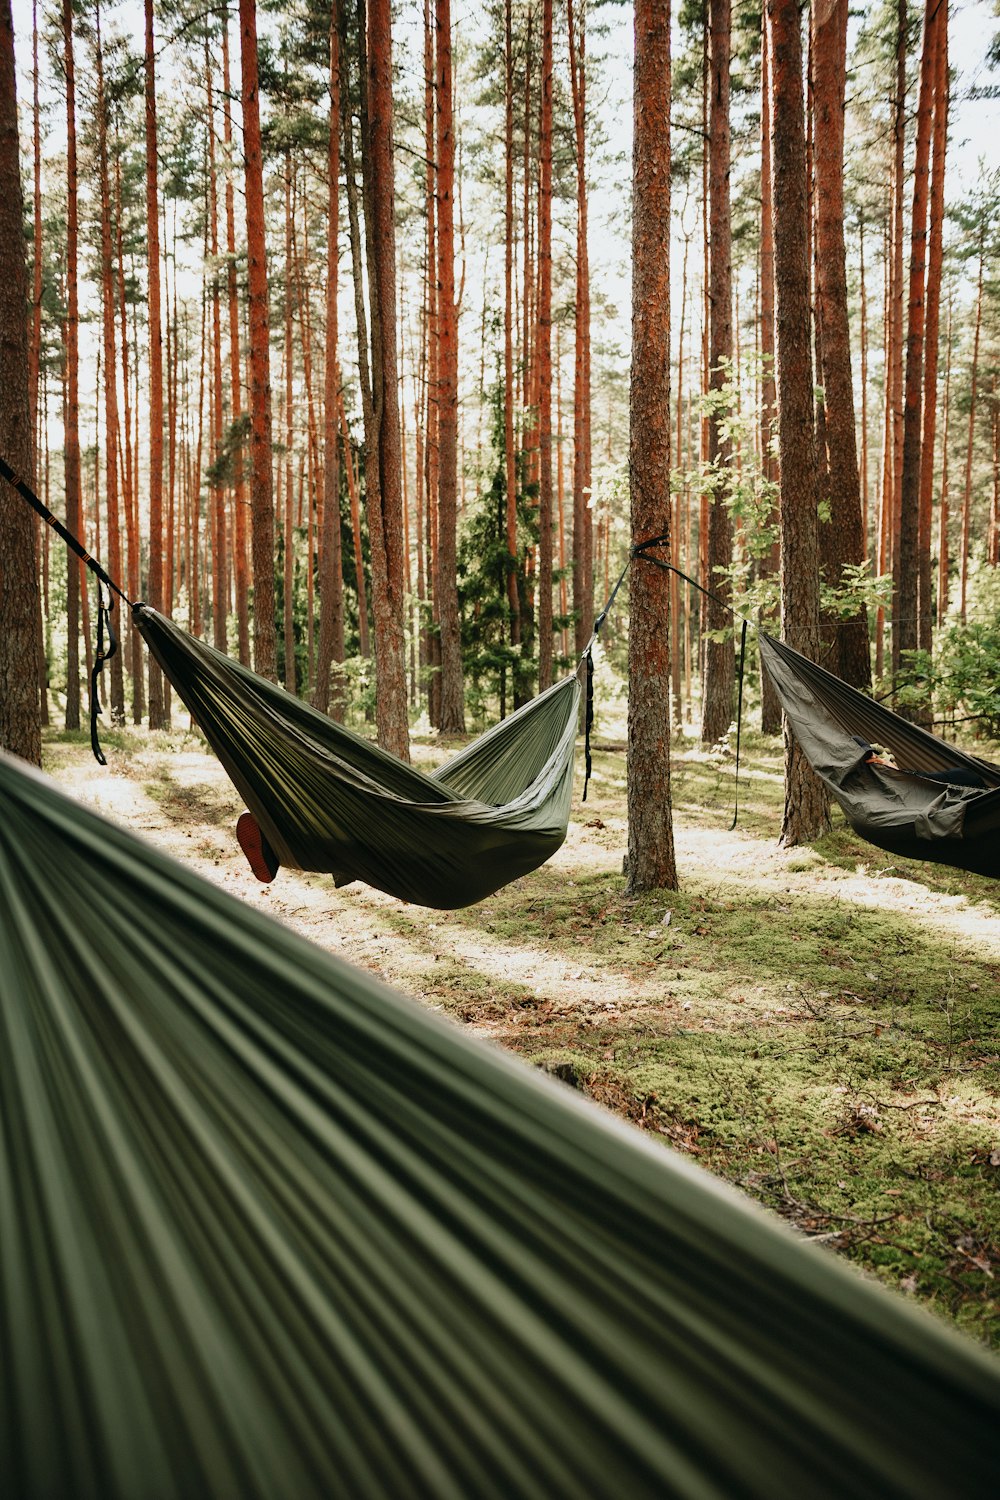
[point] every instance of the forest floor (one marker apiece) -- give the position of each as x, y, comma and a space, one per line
820, 1025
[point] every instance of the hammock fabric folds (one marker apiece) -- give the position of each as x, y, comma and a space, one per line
271, 1231
902, 810
331, 801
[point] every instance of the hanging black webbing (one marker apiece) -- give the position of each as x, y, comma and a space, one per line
104, 608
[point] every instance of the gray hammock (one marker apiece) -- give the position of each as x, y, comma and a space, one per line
270, 1230
329, 800
910, 808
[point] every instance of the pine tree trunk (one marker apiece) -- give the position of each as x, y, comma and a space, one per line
385, 510
71, 444
650, 862
20, 721
583, 525
158, 715
935, 263
241, 580
852, 659
510, 462
217, 498
770, 707
720, 660
963, 561
261, 476
331, 595
805, 815
904, 602
446, 585
895, 356
113, 550
944, 551
544, 345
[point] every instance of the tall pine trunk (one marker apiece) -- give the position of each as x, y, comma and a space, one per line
331, 569
851, 660
805, 814
452, 707
720, 661
650, 862
20, 723
385, 509
904, 601
158, 715
583, 524
544, 347
935, 263
71, 443
261, 475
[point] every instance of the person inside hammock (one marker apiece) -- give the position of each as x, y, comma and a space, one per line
261, 858
953, 775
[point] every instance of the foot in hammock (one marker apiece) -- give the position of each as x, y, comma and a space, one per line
260, 856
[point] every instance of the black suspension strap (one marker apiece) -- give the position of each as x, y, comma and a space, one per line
587, 660
716, 599
104, 623
105, 605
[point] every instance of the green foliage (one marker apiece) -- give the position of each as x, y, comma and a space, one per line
965, 674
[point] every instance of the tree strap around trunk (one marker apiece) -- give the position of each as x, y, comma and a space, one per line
104, 605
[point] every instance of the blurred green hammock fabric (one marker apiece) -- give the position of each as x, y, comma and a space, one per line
331, 801
271, 1230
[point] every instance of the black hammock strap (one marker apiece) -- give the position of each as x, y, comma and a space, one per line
641, 550
105, 605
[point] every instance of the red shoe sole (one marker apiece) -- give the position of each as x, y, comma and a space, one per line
251, 841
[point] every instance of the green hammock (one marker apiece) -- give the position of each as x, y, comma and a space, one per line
910, 808
272, 1231
331, 801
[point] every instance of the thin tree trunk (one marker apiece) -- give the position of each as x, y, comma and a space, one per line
331, 595
650, 862
770, 707
583, 525
896, 317
905, 603
241, 580
944, 559
973, 401
935, 263
805, 815
158, 715
20, 722
261, 481
510, 463
446, 586
720, 660
544, 343
853, 660
113, 551
71, 444
385, 508
364, 643
216, 492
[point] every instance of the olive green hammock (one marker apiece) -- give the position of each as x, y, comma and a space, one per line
329, 800
272, 1231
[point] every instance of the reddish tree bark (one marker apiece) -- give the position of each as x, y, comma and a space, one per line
544, 347
852, 660
261, 476
113, 550
935, 263
650, 862
241, 580
217, 499
385, 511
770, 707
331, 597
20, 723
158, 714
904, 594
510, 462
720, 659
583, 525
805, 814
71, 443
452, 706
